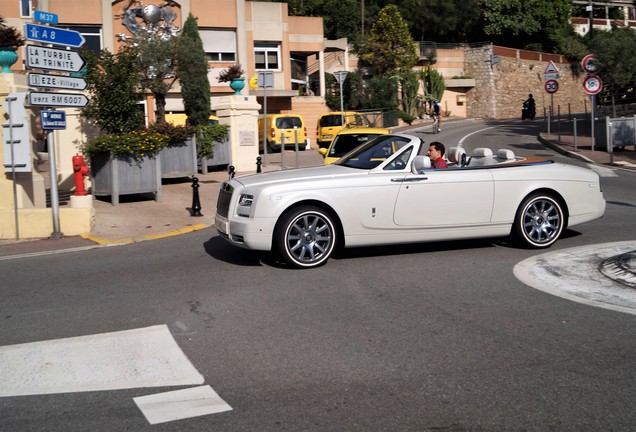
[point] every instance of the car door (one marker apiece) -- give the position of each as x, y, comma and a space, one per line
442, 198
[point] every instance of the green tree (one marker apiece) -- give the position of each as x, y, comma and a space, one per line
430, 19
545, 21
113, 90
390, 48
617, 70
156, 59
409, 84
433, 84
192, 68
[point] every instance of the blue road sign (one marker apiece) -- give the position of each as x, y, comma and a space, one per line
46, 17
53, 119
53, 35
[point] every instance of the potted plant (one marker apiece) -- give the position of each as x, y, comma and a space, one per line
10, 40
126, 163
233, 75
179, 156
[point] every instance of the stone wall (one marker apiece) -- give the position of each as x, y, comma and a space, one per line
503, 84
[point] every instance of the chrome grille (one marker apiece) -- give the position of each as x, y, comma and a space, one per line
223, 202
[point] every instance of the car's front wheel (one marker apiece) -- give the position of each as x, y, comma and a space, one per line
305, 237
539, 221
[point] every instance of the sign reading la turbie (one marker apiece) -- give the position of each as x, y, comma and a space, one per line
53, 59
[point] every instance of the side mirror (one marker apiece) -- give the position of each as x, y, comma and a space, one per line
322, 151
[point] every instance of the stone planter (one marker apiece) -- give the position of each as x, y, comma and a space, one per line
179, 161
221, 156
113, 176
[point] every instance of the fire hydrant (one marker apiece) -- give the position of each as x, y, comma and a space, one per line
80, 170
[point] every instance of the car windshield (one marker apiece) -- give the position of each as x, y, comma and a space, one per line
288, 122
344, 143
375, 151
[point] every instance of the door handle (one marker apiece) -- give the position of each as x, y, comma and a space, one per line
411, 179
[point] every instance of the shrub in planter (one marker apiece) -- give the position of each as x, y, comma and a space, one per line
129, 145
207, 135
177, 134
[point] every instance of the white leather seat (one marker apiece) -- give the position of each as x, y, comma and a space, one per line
505, 155
420, 163
457, 155
481, 156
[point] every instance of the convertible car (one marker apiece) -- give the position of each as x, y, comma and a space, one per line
385, 192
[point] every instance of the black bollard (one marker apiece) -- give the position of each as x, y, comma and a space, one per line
230, 171
258, 164
196, 205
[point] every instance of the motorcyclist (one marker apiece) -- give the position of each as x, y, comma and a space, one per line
529, 108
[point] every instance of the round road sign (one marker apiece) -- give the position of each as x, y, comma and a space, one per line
588, 64
551, 86
592, 84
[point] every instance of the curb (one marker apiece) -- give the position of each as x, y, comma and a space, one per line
559, 149
128, 240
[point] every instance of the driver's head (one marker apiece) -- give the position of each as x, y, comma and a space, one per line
436, 150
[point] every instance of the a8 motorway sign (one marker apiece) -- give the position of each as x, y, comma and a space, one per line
53, 35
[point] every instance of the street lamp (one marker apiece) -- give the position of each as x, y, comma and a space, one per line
341, 76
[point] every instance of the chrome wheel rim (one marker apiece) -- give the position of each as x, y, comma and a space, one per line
309, 239
542, 221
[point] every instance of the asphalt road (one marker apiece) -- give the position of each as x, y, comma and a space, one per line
431, 337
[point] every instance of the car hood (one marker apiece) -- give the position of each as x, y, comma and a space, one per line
321, 172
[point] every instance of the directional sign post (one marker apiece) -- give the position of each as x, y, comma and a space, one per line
58, 99
53, 59
53, 35
45, 17
56, 81
341, 76
51, 120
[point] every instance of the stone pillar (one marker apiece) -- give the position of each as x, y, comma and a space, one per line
241, 114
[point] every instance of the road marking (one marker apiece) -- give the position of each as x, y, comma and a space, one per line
460, 143
602, 171
146, 357
574, 274
181, 404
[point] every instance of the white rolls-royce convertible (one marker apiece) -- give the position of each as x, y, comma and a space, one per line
386, 192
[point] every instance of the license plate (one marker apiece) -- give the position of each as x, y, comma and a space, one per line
221, 226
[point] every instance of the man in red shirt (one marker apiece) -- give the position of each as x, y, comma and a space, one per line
436, 153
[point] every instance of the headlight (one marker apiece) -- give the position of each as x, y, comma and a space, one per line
244, 205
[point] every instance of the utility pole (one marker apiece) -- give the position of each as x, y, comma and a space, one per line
590, 9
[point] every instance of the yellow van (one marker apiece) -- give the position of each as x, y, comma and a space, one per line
281, 126
180, 119
331, 123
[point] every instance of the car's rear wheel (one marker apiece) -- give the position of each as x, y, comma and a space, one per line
305, 237
539, 221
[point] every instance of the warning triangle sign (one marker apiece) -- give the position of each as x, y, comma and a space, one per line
551, 68
551, 72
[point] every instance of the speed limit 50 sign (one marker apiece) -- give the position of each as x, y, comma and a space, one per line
551, 86
592, 84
